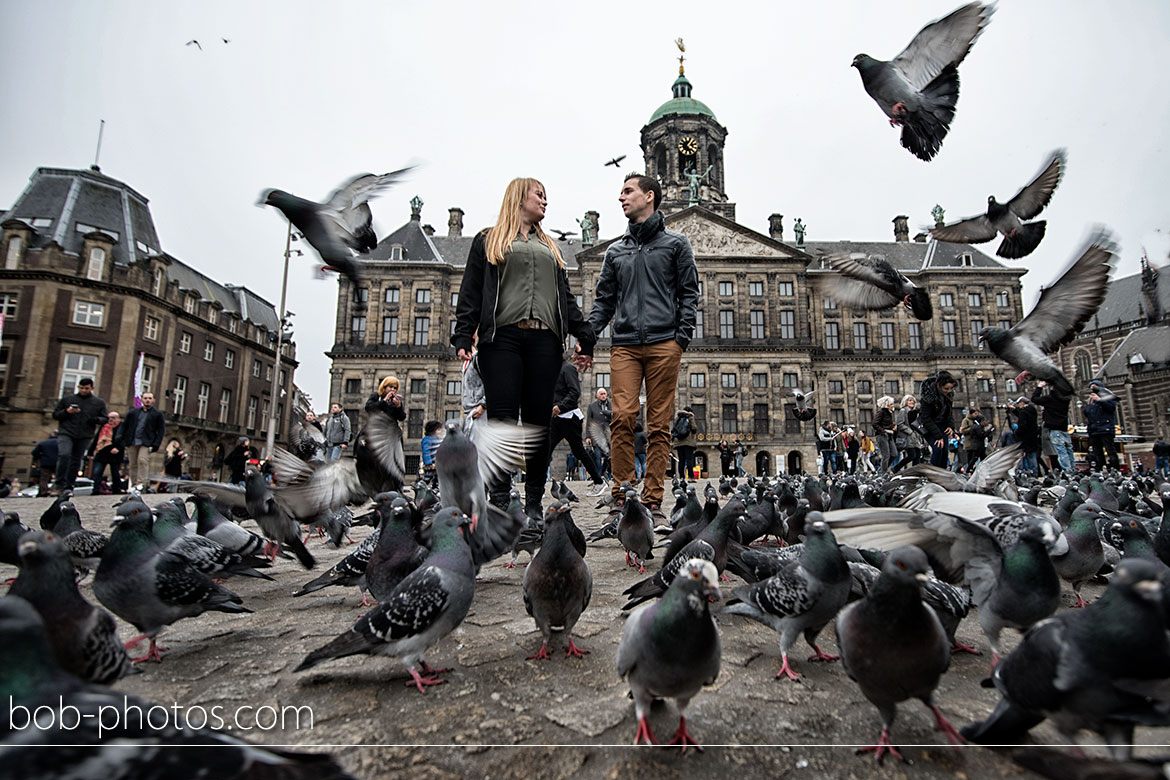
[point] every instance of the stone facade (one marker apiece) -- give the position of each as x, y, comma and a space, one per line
85, 289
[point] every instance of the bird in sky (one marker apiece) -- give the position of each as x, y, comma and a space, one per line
195, 43
919, 88
616, 161
1019, 239
563, 235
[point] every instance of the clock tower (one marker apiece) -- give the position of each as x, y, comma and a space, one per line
683, 148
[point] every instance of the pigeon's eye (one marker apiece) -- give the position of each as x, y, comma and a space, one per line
1133, 523
696, 574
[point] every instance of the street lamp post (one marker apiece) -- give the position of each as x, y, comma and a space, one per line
273, 410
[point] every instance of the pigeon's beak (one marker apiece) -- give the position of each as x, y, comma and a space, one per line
1150, 590
26, 547
921, 577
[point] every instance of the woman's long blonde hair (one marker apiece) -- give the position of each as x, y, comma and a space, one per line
507, 227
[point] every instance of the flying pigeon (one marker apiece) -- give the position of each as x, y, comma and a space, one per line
894, 647
426, 606
557, 584
1006, 219
616, 161
194, 43
340, 224
1058, 316
872, 283
85, 639
802, 411
133, 748
671, 648
919, 88
802, 598
564, 235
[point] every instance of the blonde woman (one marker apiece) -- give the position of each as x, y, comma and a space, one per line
515, 300
907, 437
864, 453
883, 432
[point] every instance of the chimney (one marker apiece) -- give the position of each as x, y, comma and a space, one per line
920, 238
776, 226
429, 230
455, 222
901, 228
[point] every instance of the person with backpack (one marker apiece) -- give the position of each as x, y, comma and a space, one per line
682, 435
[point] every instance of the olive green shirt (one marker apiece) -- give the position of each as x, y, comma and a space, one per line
528, 285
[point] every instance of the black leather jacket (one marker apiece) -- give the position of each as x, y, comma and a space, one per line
479, 292
648, 286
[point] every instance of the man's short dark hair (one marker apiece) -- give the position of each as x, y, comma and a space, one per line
647, 184
85, 381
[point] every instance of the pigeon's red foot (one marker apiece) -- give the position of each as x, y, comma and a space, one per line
367, 601
786, 670
822, 656
641, 568
271, 548
724, 578
681, 737
644, 733
1080, 602
510, 565
152, 654
541, 654
572, 651
882, 747
9, 581
430, 672
419, 681
134, 641
899, 109
959, 647
944, 725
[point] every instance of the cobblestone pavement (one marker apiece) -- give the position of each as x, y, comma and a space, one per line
503, 716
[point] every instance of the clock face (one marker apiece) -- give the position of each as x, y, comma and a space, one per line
688, 145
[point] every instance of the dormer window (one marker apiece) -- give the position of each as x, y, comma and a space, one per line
190, 304
12, 257
213, 315
160, 277
965, 258
97, 263
396, 252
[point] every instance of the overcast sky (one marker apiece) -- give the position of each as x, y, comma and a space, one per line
307, 94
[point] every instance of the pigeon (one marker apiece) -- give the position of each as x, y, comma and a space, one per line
1085, 556
894, 647
1060, 764
203, 554
83, 545
1058, 316
671, 648
616, 161
426, 606
1093, 668
802, 598
709, 545
194, 43
150, 587
636, 531
340, 224
306, 441
872, 283
52, 514
213, 524
1133, 540
96, 745
557, 583
84, 637
398, 553
350, 570
919, 88
983, 479
565, 235
1006, 219
10, 534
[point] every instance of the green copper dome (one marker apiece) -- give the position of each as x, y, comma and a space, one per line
681, 103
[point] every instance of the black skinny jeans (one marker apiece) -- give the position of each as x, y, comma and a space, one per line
519, 371
569, 429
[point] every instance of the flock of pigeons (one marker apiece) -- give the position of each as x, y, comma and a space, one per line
895, 563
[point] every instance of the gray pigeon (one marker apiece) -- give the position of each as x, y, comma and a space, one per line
872, 284
801, 410
426, 606
1006, 219
919, 88
1059, 315
398, 553
202, 553
84, 638
83, 545
350, 570
636, 532
213, 524
1085, 555
894, 646
803, 597
340, 224
52, 514
557, 583
149, 587
1095, 668
129, 749
671, 648
10, 534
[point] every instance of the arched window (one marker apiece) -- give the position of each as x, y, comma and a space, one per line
12, 258
716, 178
97, 262
1084, 367
659, 162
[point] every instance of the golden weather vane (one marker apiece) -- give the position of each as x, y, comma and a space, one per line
682, 50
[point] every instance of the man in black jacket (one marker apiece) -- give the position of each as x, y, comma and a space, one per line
566, 423
78, 414
140, 436
1055, 405
1028, 434
937, 418
649, 288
